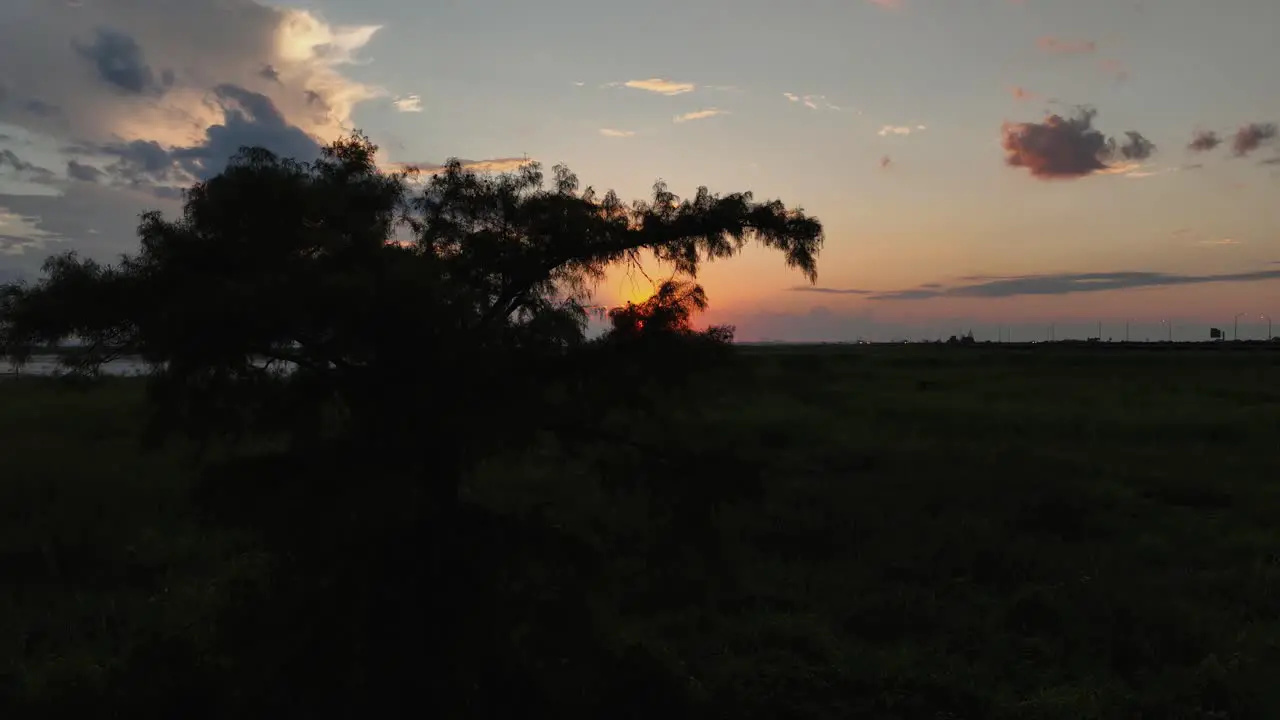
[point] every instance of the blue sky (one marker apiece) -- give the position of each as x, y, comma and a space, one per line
883, 119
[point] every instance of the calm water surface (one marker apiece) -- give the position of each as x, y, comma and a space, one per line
47, 365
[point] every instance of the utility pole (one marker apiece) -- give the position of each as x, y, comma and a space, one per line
1051, 328
1126, 331
1266, 317
1235, 330
1099, 331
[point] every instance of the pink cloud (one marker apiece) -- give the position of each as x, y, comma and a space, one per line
1115, 68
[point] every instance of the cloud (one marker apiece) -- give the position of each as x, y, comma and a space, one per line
25, 170
611, 132
22, 233
885, 162
84, 173
700, 115
1136, 171
1203, 141
496, 165
408, 104
1021, 93
1115, 69
1061, 148
98, 220
41, 109
813, 102
830, 291
1251, 137
121, 63
1051, 44
1066, 283
251, 120
660, 86
123, 70
126, 101
888, 130
1220, 242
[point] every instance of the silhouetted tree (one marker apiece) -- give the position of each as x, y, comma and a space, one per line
333, 300
669, 309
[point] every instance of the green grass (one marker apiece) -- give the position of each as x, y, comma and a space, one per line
914, 532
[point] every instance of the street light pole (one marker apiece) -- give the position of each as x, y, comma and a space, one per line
1235, 330
1267, 317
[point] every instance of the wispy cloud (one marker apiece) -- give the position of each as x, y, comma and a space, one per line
1132, 170
611, 132
1115, 69
813, 102
24, 169
660, 86
1220, 242
830, 291
1051, 44
495, 165
700, 115
408, 104
1021, 93
1055, 284
888, 130
20, 234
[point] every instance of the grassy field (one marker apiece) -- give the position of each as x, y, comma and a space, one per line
914, 532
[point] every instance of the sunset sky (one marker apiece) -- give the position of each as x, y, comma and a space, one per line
918, 131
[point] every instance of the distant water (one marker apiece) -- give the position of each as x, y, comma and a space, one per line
47, 365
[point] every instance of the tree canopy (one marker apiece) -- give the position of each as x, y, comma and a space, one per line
334, 297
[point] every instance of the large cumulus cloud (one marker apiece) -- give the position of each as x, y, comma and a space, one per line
109, 107
124, 70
